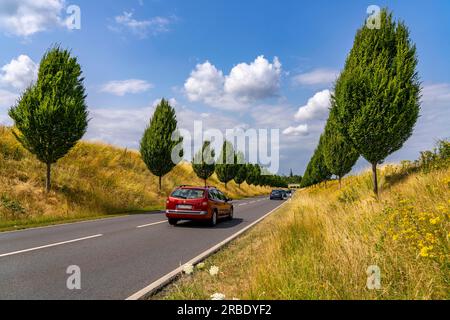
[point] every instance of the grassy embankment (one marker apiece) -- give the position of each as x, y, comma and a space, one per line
93, 180
320, 245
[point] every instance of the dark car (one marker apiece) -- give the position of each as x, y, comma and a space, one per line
276, 195
198, 203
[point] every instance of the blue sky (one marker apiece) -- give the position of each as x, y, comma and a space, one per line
231, 64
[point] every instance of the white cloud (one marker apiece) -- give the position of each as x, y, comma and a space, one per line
123, 87
257, 80
27, 17
19, 73
436, 93
7, 99
142, 28
316, 108
301, 130
245, 84
125, 126
317, 77
205, 84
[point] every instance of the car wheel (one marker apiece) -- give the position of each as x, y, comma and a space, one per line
173, 222
231, 214
213, 220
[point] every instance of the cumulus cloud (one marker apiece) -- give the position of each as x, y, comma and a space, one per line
19, 73
317, 107
142, 28
245, 84
205, 84
27, 17
317, 77
301, 130
123, 87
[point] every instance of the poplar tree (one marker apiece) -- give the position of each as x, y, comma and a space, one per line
203, 163
226, 167
158, 141
377, 96
339, 155
51, 115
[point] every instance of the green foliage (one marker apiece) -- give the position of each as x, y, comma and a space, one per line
157, 143
241, 174
377, 94
253, 174
227, 167
203, 163
51, 115
339, 155
316, 171
12, 206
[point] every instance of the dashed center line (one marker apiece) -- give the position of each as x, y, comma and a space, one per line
49, 246
151, 224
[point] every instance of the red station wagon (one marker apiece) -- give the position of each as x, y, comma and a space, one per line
198, 203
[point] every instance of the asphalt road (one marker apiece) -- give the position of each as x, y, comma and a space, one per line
117, 256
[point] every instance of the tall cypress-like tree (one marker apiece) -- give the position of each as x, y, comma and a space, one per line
51, 115
241, 174
226, 167
377, 96
316, 171
339, 156
203, 162
157, 142
241, 170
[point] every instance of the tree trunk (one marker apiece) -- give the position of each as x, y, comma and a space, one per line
48, 183
205, 183
375, 178
225, 185
340, 182
160, 183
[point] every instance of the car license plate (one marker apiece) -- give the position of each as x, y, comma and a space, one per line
184, 207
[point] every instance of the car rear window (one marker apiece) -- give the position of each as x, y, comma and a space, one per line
188, 193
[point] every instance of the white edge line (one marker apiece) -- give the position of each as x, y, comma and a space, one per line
151, 224
161, 282
119, 216
49, 245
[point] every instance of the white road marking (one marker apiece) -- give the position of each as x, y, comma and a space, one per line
49, 245
171, 275
151, 224
243, 204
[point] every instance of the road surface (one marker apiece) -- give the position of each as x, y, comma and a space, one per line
117, 256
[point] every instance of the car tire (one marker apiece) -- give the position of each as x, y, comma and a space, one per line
173, 222
213, 221
231, 214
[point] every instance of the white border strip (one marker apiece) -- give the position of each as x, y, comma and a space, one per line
161, 282
49, 245
151, 224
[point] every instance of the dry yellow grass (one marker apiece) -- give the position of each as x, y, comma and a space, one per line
93, 180
320, 245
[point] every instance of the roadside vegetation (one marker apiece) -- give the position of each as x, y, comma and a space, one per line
375, 105
320, 244
86, 180
93, 180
